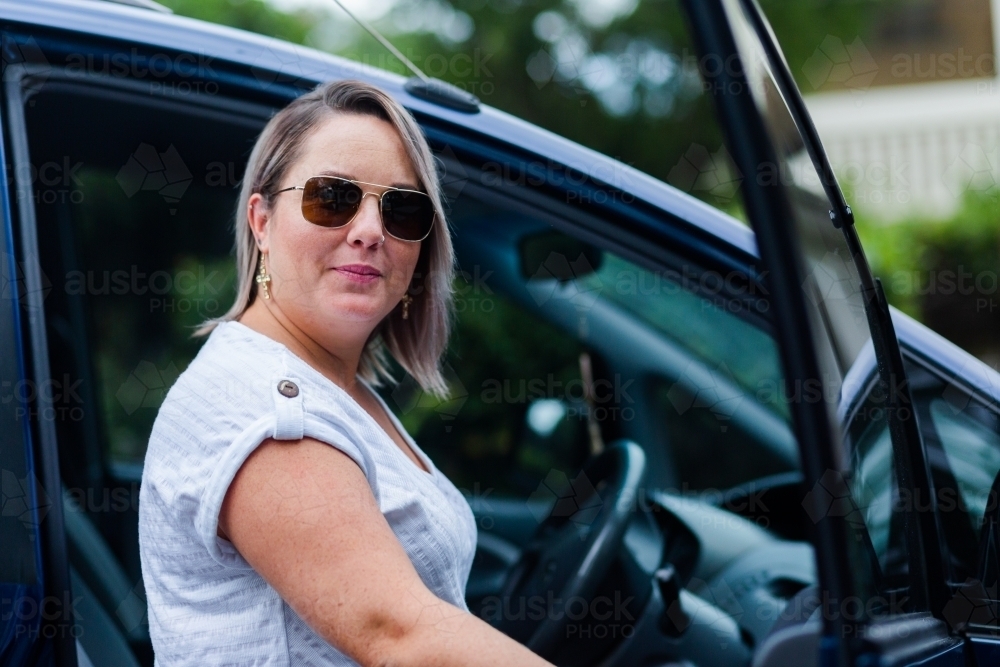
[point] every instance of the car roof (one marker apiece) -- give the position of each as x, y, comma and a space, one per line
178, 33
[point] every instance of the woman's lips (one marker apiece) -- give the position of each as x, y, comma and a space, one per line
359, 273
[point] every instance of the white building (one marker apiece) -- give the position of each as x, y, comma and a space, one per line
912, 121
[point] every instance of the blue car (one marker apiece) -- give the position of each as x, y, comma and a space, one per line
691, 441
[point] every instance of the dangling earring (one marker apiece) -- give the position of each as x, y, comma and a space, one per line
263, 278
407, 300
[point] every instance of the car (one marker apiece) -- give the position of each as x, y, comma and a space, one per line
684, 440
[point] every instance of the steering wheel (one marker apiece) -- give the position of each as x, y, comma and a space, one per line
570, 553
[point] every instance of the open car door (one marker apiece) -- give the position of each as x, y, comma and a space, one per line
885, 593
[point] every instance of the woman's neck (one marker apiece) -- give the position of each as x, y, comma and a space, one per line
339, 364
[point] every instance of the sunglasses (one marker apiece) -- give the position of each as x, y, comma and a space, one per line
328, 201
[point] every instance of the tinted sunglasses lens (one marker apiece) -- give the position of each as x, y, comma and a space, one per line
407, 215
330, 202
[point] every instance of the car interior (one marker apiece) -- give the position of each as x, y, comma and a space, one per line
134, 215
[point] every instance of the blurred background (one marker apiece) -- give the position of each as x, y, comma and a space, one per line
904, 93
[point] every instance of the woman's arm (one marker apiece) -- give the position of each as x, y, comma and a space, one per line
302, 514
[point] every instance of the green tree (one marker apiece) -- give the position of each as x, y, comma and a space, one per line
625, 83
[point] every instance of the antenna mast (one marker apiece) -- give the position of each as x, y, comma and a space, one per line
421, 85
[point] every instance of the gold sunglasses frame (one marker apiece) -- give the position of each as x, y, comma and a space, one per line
381, 214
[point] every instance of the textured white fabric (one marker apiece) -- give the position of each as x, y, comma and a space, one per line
207, 606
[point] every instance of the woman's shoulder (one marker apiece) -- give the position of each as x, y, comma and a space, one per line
238, 376
224, 393
230, 375
240, 388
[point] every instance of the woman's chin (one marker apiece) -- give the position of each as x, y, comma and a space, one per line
356, 308
340, 307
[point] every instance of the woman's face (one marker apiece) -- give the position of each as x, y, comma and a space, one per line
322, 279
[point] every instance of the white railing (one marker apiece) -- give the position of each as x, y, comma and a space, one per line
907, 151
912, 150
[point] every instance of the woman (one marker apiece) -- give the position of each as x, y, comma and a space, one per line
286, 518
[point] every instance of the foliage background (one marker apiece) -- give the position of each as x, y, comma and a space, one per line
615, 76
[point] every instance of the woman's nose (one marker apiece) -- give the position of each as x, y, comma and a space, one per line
366, 228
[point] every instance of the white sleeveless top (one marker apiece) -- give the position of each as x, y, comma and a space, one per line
207, 606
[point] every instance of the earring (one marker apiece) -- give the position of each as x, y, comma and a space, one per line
263, 278
406, 300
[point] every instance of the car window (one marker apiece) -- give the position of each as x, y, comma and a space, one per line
962, 438
687, 373
133, 195
973, 451
716, 387
875, 491
706, 325
962, 435
514, 414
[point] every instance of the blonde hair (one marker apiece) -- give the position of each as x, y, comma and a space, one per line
416, 343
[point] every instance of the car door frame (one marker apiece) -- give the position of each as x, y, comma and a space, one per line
60, 625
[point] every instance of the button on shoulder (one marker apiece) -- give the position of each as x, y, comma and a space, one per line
288, 388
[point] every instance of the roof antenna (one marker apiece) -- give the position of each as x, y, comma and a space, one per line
421, 85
